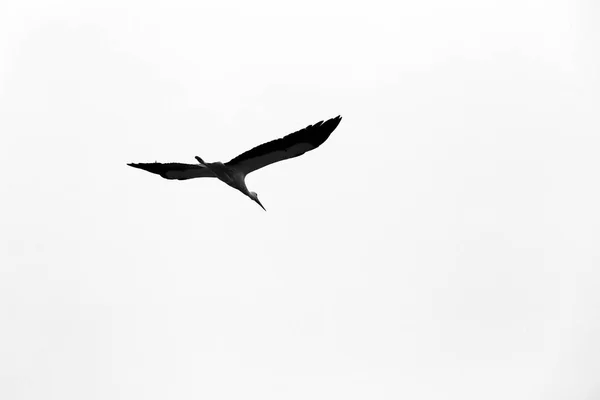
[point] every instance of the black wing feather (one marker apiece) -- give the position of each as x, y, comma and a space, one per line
290, 146
175, 170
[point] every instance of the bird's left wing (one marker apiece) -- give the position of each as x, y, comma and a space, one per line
292, 145
176, 170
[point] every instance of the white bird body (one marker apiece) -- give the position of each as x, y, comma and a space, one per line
234, 172
234, 178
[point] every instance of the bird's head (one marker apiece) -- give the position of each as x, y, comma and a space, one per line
254, 197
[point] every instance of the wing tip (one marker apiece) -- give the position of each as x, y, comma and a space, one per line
336, 121
138, 165
330, 125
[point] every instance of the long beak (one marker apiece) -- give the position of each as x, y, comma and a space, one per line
258, 201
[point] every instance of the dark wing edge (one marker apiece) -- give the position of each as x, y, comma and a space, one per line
290, 146
175, 170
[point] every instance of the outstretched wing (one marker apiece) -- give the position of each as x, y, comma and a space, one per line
290, 146
176, 170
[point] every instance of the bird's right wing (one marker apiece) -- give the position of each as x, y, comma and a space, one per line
176, 170
290, 146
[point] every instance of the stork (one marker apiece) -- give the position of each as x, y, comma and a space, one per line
235, 171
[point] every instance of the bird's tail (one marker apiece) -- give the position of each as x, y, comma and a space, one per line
201, 161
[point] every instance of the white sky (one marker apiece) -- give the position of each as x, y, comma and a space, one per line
442, 244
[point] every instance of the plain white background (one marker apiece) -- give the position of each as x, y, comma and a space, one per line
442, 244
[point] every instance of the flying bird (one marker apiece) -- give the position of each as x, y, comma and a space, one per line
234, 172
